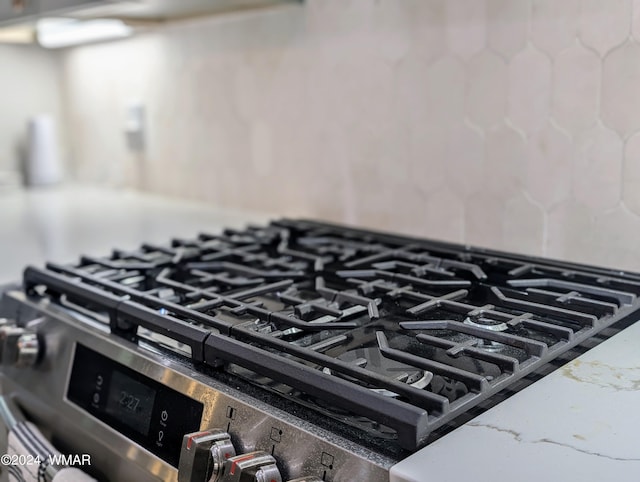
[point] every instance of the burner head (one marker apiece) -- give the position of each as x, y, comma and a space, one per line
372, 359
487, 324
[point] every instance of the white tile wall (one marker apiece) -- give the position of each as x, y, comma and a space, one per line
620, 105
508, 124
554, 24
529, 92
576, 84
30, 84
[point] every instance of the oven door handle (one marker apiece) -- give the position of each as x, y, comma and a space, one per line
25, 439
9, 413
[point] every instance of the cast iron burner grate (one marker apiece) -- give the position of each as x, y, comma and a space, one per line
400, 335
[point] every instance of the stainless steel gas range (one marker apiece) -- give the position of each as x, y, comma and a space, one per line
296, 351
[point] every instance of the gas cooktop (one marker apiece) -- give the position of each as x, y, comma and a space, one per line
384, 339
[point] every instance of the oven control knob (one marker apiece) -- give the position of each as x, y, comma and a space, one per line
203, 456
18, 347
27, 349
251, 467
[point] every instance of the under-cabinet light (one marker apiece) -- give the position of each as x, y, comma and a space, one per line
17, 34
56, 33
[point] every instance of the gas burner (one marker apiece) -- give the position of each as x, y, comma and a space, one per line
373, 360
487, 324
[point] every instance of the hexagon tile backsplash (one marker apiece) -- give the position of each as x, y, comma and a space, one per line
512, 124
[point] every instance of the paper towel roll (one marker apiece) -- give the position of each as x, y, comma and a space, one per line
43, 164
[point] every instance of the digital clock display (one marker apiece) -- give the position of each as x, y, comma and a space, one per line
140, 408
130, 402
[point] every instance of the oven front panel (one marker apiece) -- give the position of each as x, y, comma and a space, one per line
81, 361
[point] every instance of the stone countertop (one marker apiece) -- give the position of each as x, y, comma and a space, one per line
581, 422
63, 223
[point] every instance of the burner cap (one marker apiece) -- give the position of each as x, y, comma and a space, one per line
373, 360
487, 324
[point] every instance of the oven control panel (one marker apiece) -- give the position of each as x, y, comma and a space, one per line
145, 411
165, 422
